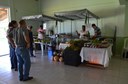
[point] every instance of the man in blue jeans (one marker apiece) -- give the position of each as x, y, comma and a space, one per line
13, 24
31, 41
22, 43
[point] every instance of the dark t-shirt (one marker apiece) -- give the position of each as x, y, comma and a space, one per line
30, 36
31, 39
97, 32
9, 33
18, 36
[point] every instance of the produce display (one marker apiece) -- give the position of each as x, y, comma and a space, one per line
76, 45
97, 44
57, 56
71, 54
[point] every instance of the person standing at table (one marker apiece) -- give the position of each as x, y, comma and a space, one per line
83, 34
13, 24
41, 33
31, 41
22, 43
97, 31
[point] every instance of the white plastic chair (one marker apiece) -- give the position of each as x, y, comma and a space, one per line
125, 48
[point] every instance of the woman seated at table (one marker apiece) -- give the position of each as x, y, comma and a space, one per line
83, 34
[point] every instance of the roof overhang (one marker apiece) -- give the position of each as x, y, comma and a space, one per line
41, 17
75, 14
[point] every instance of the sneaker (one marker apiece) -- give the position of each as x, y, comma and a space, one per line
29, 78
21, 79
16, 69
34, 56
12, 67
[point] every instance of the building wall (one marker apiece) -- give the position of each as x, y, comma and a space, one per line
4, 3
20, 8
110, 11
111, 14
126, 19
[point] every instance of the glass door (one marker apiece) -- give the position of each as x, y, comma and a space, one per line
4, 20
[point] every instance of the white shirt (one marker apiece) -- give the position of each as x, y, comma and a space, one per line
82, 33
40, 33
40, 36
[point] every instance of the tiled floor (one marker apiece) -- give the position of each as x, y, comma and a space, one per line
45, 71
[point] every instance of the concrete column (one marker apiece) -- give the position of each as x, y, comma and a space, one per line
126, 20
12, 10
